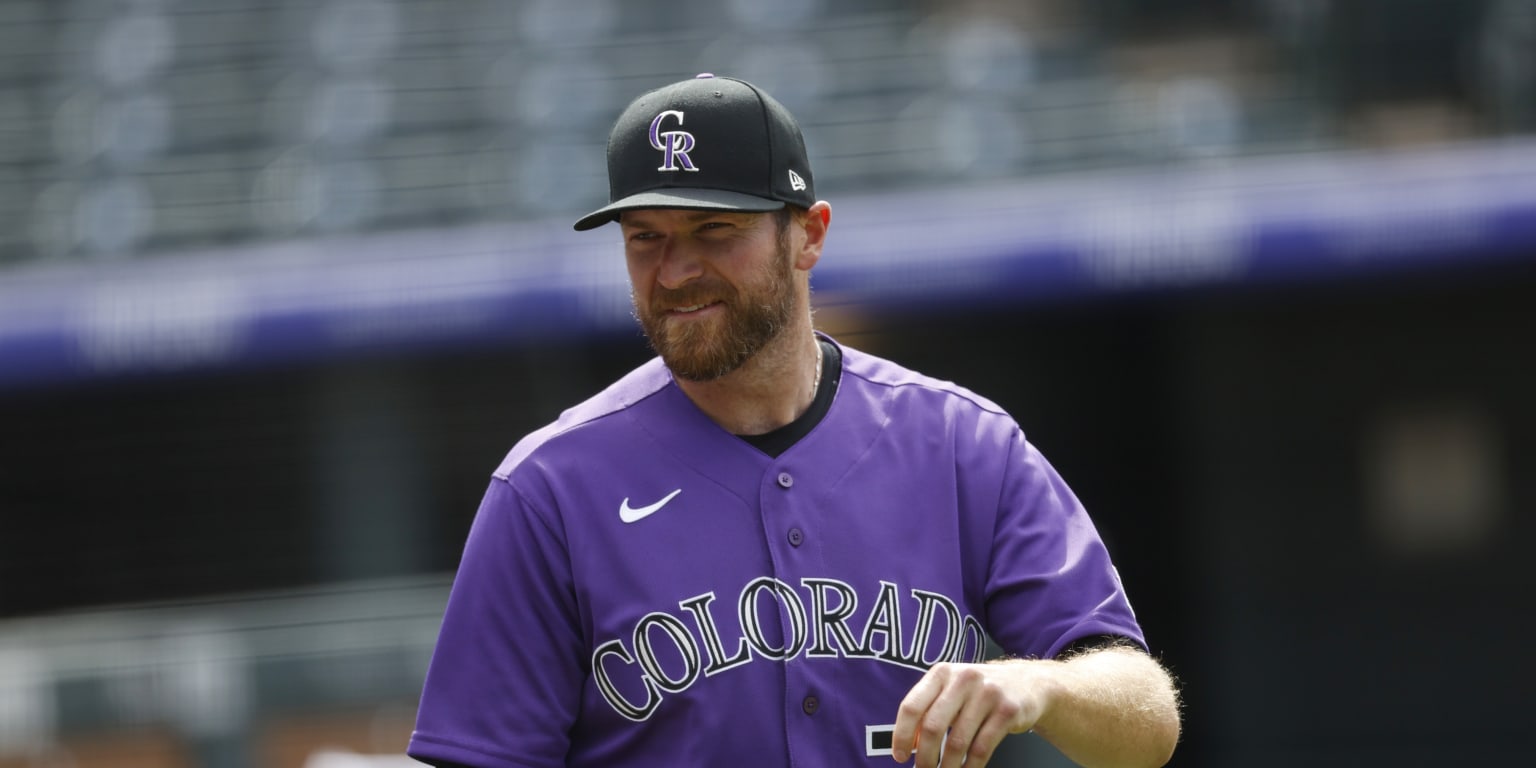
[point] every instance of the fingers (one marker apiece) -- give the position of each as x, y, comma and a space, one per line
913, 711
975, 735
972, 734
955, 714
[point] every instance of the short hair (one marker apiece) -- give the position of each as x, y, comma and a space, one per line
783, 216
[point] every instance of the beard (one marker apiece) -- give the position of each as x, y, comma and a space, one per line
754, 315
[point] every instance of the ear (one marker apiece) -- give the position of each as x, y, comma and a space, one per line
817, 220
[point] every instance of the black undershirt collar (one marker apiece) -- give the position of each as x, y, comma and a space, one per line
779, 440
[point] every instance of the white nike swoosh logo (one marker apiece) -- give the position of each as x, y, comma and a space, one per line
633, 514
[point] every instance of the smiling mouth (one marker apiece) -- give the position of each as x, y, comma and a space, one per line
688, 310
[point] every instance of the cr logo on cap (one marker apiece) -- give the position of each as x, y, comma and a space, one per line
674, 145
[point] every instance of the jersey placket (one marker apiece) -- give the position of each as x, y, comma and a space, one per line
786, 499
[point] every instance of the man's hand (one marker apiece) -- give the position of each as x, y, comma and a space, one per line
1107, 708
961, 712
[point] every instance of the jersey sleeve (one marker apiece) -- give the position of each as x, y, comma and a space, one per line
1051, 581
504, 683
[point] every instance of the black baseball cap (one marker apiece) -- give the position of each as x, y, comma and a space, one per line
707, 143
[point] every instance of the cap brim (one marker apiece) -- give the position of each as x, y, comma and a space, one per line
679, 197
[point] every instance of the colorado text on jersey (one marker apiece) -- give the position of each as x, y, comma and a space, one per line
819, 628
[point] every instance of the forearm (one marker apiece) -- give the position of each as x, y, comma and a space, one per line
1110, 708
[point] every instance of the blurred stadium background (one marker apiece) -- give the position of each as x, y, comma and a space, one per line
281, 280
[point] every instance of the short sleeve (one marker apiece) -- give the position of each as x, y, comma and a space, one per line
1051, 581
504, 685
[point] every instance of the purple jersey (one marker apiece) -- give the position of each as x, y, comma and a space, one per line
641, 587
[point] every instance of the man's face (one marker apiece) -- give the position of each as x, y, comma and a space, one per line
710, 289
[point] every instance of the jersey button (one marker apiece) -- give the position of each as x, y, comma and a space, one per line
796, 538
810, 705
786, 480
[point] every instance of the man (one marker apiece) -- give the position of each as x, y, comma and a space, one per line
765, 548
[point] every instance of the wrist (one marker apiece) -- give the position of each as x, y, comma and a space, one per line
1039, 685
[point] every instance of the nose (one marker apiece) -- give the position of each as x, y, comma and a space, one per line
679, 265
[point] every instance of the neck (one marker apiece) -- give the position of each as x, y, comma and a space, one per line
769, 391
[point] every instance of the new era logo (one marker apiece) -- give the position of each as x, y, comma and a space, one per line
795, 182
